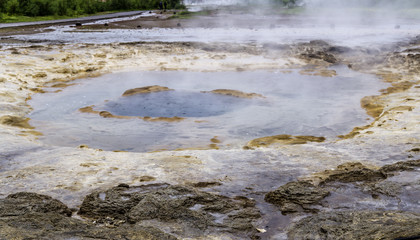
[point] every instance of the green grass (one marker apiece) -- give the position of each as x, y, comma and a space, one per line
20, 18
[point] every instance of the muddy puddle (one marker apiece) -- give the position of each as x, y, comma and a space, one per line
211, 109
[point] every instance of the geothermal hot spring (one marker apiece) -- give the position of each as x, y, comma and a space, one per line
247, 75
285, 102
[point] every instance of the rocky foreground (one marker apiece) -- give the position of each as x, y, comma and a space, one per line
366, 185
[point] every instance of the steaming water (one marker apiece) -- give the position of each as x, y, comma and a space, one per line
248, 27
293, 104
175, 103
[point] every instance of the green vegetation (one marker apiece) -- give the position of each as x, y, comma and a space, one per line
70, 8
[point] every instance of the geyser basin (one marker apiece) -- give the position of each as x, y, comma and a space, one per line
292, 104
174, 104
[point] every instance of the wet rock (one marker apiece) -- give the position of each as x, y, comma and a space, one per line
339, 49
327, 57
184, 207
401, 166
53, 226
282, 139
296, 196
318, 43
148, 89
27, 215
300, 195
205, 184
352, 172
357, 225
25, 202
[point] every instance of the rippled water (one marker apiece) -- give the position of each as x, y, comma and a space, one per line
293, 104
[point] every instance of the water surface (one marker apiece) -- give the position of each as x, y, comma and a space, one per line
293, 104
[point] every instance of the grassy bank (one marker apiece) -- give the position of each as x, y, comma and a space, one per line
21, 18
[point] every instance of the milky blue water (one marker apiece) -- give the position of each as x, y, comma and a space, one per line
294, 104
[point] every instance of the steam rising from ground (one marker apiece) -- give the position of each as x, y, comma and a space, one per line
371, 12
332, 11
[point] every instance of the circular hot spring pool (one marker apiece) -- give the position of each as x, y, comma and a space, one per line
200, 109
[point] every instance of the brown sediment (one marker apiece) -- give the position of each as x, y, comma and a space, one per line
398, 87
106, 114
373, 105
234, 93
389, 77
282, 139
323, 72
213, 146
39, 75
197, 148
31, 132
354, 132
148, 89
88, 109
15, 121
37, 90
163, 119
146, 179
62, 85
200, 121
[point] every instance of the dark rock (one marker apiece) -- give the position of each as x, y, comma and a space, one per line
357, 225
33, 216
338, 49
417, 150
353, 172
401, 166
25, 202
78, 24
327, 57
321, 43
189, 209
123, 185
296, 196
205, 184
